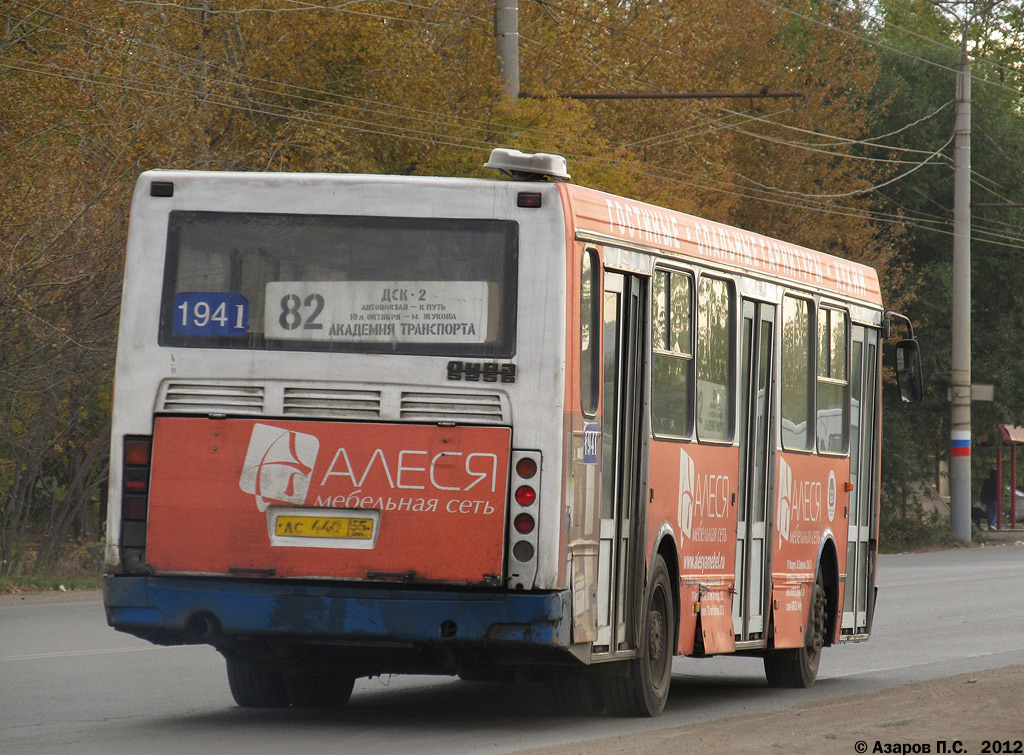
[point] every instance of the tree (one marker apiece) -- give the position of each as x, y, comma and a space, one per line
921, 45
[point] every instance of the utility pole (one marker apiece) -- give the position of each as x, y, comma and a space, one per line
506, 34
960, 425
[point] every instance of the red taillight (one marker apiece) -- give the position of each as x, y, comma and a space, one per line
526, 468
525, 495
135, 488
136, 452
134, 507
136, 479
525, 507
524, 524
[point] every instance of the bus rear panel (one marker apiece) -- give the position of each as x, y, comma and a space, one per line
320, 403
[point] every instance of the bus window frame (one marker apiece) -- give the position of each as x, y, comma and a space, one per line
812, 369
731, 388
504, 347
689, 357
591, 254
827, 306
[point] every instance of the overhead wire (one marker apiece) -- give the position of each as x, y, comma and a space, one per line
427, 115
653, 45
869, 141
884, 46
388, 110
294, 113
856, 192
832, 153
928, 22
672, 177
259, 84
704, 128
302, 6
426, 135
930, 156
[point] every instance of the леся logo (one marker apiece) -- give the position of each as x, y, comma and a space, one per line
278, 465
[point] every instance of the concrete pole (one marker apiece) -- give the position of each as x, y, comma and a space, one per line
506, 33
960, 445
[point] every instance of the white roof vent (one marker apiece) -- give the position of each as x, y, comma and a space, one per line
523, 167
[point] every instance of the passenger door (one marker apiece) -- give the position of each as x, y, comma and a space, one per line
756, 453
623, 473
857, 598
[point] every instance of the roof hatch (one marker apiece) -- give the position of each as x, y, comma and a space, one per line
523, 167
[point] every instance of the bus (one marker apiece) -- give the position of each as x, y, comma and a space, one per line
500, 429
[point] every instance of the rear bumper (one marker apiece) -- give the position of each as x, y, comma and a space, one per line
168, 610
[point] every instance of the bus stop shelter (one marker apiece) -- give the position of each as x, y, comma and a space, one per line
1008, 436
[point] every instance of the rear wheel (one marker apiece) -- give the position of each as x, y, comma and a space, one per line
797, 668
576, 692
254, 687
644, 691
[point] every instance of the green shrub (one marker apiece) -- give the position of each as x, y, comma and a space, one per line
911, 533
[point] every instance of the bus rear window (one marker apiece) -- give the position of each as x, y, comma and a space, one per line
429, 286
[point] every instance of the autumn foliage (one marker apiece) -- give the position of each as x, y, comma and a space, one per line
94, 91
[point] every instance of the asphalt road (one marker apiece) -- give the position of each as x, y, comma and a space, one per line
70, 684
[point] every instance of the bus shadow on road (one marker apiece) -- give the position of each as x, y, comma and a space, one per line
443, 704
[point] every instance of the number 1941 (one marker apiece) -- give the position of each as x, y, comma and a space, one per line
211, 314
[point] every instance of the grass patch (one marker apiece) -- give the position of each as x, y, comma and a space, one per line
45, 583
79, 566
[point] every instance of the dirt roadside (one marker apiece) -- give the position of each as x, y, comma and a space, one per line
951, 715
49, 596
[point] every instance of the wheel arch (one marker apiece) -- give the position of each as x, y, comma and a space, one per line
828, 568
665, 546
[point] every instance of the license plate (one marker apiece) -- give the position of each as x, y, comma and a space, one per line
335, 528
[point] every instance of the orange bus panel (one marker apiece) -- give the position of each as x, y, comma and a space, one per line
414, 503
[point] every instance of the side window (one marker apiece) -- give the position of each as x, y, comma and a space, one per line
672, 339
715, 408
797, 388
833, 381
590, 327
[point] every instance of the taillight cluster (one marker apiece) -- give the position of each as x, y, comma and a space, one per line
523, 514
135, 496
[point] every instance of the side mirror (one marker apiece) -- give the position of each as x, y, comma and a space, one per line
908, 371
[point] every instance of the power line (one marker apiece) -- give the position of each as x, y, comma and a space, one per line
705, 128
301, 7
670, 95
864, 141
859, 192
628, 35
326, 98
423, 135
885, 46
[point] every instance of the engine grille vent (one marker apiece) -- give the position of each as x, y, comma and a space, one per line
332, 402
477, 408
312, 400
199, 398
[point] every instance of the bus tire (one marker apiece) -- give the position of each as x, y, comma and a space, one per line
254, 687
315, 692
643, 692
576, 692
797, 668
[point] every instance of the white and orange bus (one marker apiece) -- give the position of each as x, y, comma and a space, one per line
388, 424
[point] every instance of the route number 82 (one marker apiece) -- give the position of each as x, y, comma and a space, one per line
295, 312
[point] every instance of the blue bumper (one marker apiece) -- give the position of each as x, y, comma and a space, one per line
164, 606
